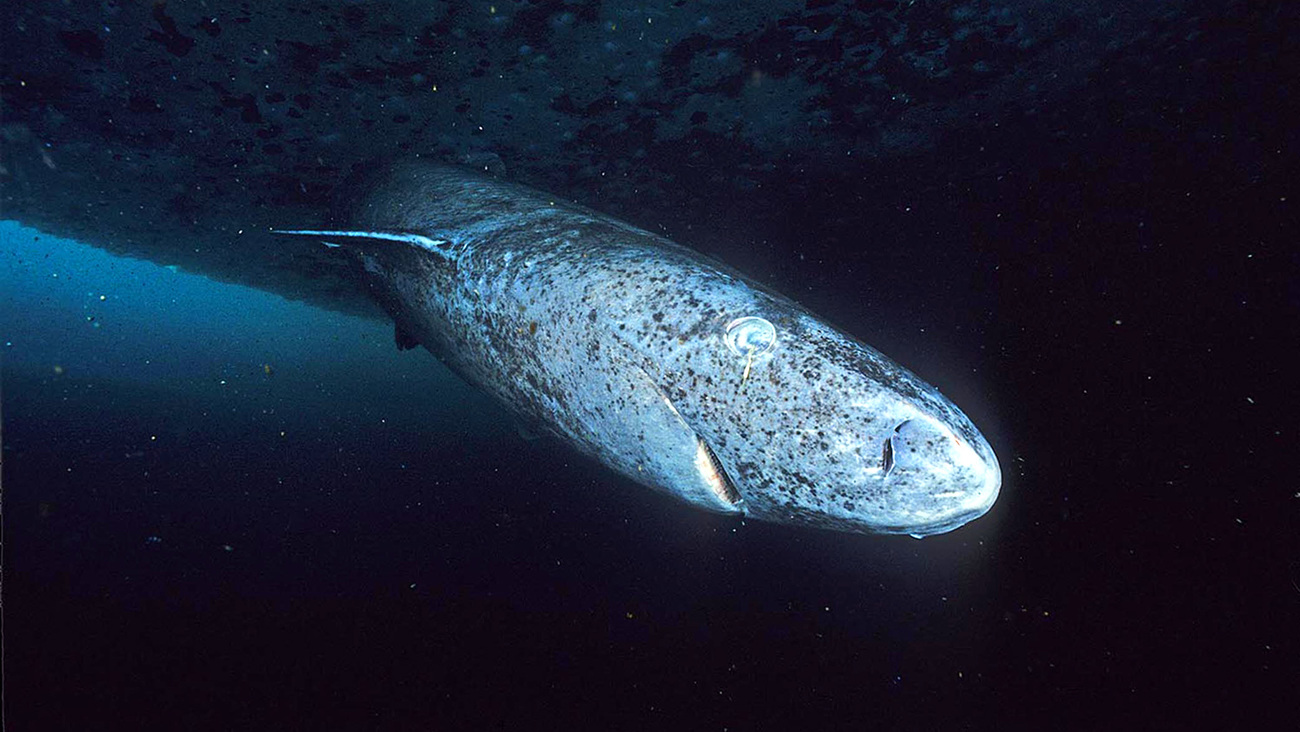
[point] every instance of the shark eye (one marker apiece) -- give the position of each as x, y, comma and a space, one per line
750, 336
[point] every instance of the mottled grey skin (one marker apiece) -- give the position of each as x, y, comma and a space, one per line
613, 338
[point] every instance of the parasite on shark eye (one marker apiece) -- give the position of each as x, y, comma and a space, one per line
749, 337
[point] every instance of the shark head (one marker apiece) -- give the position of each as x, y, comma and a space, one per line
811, 426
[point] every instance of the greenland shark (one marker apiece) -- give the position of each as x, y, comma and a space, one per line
659, 362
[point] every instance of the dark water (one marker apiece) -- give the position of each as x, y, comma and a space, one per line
228, 510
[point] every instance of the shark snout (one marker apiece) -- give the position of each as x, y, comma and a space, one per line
942, 479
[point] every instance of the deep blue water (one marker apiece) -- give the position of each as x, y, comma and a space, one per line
357, 527
223, 509
357, 539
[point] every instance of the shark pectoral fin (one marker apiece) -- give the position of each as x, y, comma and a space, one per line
714, 474
526, 432
420, 241
666, 453
403, 338
673, 455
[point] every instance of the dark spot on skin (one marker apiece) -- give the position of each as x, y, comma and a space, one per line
83, 43
209, 26
532, 328
139, 104
354, 15
176, 43
247, 106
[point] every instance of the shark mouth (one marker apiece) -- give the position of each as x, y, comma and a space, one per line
714, 475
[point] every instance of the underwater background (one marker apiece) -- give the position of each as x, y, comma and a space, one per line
230, 502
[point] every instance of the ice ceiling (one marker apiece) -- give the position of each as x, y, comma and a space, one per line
181, 131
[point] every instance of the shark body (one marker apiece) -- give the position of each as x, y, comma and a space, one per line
661, 363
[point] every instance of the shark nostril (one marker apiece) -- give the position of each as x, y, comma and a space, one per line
887, 457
